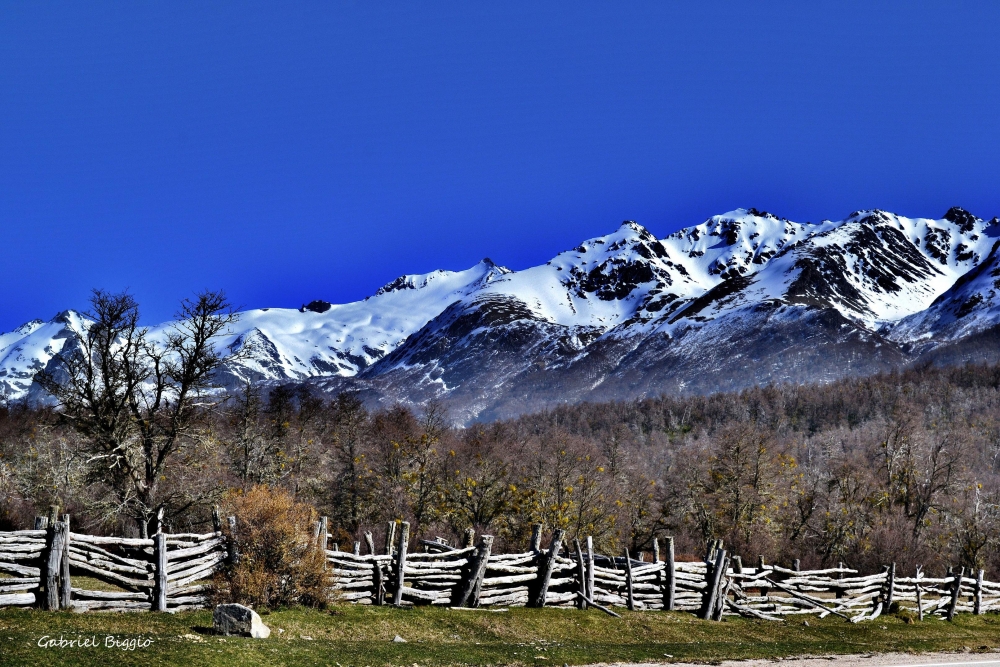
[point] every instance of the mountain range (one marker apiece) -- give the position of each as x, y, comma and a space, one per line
743, 298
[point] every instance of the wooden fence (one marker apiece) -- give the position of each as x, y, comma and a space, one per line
161, 573
170, 572
560, 576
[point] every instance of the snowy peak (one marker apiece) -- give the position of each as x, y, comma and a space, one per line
30, 347
888, 278
478, 276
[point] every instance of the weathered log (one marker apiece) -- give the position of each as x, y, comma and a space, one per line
208, 564
535, 545
607, 611
15, 585
187, 600
17, 599
177, 538
232, 550
806, 598
435, 547
176, 570
630, 598
181, 554
110, 605
713, 583
160, 573
869, 617
95, 560
390, 537
977, 607
424, 595
87, 549
65, 583
21, 555
581, 576
404, 538
669, 576
955, 592
545, 569
510, 569
378, 584
187, 590
890, 585
747, 611
108, 595
720, 600
116, 541
469, 591
53, 565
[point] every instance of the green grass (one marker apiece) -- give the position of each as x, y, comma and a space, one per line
360, 636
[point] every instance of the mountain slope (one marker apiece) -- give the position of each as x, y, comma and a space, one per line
742, 298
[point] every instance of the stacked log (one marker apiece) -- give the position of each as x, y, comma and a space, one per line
21, 553
192, 559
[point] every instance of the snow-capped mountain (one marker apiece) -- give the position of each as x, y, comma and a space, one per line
742, 298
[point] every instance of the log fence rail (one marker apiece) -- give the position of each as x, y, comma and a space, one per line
172, 572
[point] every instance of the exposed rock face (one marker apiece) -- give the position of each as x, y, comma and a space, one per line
743, 298
235, 619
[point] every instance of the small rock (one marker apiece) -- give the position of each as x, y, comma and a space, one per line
805, 623
399, 640
235, 619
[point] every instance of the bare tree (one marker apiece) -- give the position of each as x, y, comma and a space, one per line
137, 400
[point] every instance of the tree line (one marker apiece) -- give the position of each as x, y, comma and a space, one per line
901, 467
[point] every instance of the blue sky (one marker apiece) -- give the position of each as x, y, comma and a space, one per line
292, 151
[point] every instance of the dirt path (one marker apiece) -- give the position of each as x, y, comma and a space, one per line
863, 660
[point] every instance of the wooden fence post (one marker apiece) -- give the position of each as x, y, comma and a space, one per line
53, 564
722, 592
41, 522
216, 519
840, 575
764, 590
65, 582
470, 537
581, 574
390, 537
536, 538
956, 591
469, 589
545, 568
404, 539
669, 579
712, 590
891, 586
378, 581
920, 605
160, 556
629, 597
977, 605
232, 552
590, 567
324, 532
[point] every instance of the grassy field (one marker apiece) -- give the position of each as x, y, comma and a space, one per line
361, 636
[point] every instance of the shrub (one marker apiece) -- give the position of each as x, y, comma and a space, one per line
280, 563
